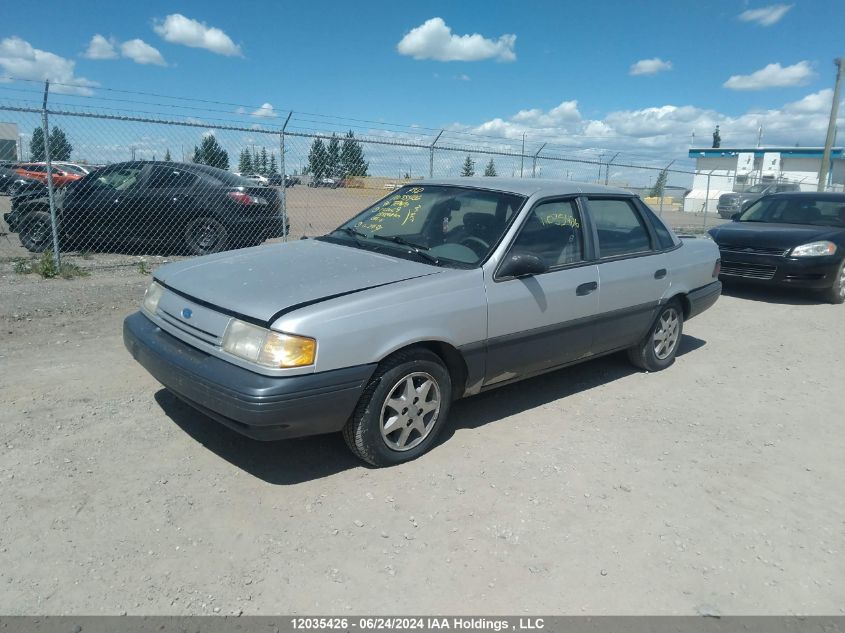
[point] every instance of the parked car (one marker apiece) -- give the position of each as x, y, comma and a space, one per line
38, 171
331, 183
795, 240
23, 187
74, 168
196, 207
255, 178
441, 290
730, 203
275, 180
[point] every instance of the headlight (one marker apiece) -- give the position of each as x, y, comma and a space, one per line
151, 297
814, 249
266, 347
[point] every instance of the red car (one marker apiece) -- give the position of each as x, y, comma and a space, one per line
38, 171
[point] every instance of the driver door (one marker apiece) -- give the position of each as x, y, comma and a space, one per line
544, 321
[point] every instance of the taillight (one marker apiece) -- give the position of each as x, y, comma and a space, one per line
245, 199
717, 268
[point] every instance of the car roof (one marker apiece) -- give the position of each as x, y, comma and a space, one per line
833, 196
526, 186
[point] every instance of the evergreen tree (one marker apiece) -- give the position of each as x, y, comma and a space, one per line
211, 153
167, 158
317, 159
352, 161
261, 162
490, 170
273, 168
36, 145
469, 167
659, 185
333, 158
245, 162
60, 147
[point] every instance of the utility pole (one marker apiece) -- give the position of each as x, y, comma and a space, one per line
839, 62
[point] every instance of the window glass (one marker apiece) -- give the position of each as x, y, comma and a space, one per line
664, 235
620, 228
453, 224
120, 178
797, 210
169, 178
553, 231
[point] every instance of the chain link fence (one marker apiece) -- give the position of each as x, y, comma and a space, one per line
111, 186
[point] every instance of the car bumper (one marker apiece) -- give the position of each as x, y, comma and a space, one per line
811, 272
266, 225
258, 406
727, 212
703, 298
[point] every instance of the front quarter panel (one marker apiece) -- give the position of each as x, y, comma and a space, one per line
366, 327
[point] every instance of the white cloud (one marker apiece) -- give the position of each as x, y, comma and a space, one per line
141, 53
664, 130
650, 66
765, 16
100, 48
177, 29
463, 77
772, 76
434, 40
20, 60
266, 111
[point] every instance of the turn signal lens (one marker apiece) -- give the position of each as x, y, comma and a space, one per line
717, 268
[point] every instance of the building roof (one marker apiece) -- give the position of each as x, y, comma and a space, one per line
526, 186
796, 152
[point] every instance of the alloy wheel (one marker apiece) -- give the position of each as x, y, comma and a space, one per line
410, 411
666, 333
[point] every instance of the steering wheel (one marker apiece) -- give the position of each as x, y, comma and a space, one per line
476, 244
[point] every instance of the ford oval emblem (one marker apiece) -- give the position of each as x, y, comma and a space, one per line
186, 313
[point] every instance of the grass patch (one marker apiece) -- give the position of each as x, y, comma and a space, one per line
46, 267
21, 266
143, 268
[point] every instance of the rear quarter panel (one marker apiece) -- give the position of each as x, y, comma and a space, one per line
691, 266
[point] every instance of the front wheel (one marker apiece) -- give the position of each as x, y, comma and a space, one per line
836, 292
36, 232
402, 409
206, 235
659, 347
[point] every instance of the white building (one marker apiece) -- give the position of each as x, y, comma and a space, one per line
724, 169
9, 141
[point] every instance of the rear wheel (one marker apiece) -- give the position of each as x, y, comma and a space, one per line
659, 347
402, 409
36, 232
206, 235
836, 292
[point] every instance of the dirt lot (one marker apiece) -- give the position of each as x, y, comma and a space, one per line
713, 487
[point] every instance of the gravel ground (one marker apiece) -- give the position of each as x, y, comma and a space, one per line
713, 487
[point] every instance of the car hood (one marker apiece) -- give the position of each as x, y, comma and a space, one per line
765, 235
264, 281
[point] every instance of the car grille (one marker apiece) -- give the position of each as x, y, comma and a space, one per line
751, 250
751, 271
194, 332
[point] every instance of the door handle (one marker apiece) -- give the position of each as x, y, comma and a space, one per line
660, 274
587, 288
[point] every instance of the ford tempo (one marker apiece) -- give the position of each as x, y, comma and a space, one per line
441, 290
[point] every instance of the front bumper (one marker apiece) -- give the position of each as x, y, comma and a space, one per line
258, 406
799, 272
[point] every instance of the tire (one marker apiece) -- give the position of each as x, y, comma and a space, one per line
414, 433
836, 292
206, 235
36, 232
658, 348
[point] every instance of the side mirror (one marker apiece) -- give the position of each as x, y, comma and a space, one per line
522, 265
735, 217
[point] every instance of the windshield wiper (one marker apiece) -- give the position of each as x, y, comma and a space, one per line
416, 249
353, 233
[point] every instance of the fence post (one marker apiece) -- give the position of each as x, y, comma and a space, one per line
284, 178
431, 155
534, 164
707, 199
45, 128
663, 189
607, 167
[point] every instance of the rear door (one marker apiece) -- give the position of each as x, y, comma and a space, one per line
160, 206
632, 270
544, 321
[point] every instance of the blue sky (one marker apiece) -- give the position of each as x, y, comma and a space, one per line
567, 75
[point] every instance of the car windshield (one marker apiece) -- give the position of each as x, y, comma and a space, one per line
797, 210
757, 188
443, 225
